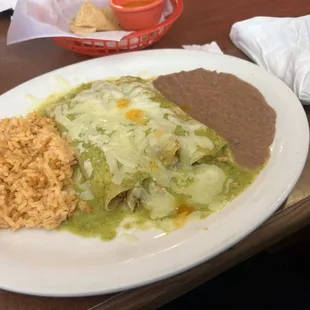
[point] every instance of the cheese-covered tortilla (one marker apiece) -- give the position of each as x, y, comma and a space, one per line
137, 149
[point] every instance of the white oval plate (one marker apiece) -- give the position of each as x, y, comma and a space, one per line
55, 263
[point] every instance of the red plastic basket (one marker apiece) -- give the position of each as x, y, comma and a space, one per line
135, 41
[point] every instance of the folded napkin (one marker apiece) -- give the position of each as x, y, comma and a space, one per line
281, 46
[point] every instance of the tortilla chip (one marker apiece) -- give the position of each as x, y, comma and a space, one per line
110, 15
92, 17
81, 30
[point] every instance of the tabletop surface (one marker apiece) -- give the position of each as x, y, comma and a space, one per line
202, 22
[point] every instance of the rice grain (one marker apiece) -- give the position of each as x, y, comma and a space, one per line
36, 168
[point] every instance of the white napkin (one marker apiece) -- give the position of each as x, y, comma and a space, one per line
281, 46
7, 4
50, 18
210, 47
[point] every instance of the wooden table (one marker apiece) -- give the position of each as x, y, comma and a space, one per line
202, 21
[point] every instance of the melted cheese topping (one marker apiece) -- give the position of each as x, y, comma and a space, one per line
136, 116
131, 128
122, 103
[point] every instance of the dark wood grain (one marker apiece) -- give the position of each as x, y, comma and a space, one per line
202, 21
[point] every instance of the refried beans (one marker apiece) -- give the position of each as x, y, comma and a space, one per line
232, 107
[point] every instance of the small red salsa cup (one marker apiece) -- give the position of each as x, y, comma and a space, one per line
138, 14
